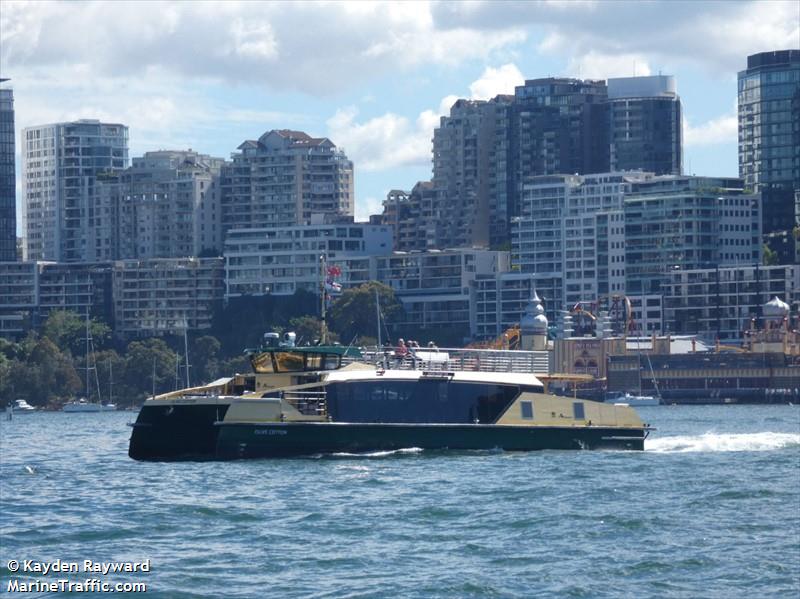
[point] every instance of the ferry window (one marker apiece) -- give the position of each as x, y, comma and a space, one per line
288, 362
331, 362
578, 409
262, 362
313, 362
527, 409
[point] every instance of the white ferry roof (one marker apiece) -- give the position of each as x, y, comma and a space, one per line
467, 376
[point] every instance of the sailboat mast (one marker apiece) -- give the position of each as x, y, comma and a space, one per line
378, 316
186, 350
87, 354
111, 382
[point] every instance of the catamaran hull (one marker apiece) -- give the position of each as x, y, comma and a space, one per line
237, 441
197, 432
176, 432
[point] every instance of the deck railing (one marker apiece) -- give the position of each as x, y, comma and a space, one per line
458, 359
308, 403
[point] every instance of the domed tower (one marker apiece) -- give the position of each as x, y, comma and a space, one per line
533, 325
776, 313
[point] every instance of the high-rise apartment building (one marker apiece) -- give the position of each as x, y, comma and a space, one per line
285, 178
557, 239
680, 223
465, 166
8, 188
559, 128
60, 164
769, 141
166, 205
166, 296
281, 260
485, 152
583, 238
644, 117
413, 216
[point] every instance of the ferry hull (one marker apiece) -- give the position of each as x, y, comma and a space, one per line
176, 432
246, 440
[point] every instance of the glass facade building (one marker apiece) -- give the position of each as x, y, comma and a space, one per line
769, 140
644, 116
8, 188
60, 163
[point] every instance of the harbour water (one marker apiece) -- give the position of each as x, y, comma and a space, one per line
711, 508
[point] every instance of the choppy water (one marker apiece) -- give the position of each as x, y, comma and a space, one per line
710, 509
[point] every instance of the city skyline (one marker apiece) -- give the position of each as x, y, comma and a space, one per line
379, 90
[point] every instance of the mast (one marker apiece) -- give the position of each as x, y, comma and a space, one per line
378, 316
87, 353
110, 382
186, 349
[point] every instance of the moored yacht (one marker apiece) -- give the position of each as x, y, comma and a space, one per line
21, 406
630, 399
311, 400
82, 405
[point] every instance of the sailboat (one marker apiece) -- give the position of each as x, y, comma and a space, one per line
640, 399
82, 404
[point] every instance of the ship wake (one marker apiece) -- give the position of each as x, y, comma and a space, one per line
370, 454
712, 442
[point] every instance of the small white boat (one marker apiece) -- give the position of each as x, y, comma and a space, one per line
634, 401
81, 405
20, 406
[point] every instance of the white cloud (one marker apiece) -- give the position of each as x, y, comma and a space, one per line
717, 35
501, 80
165, 116
593, 65
367, 206
317, 48
382, 142
721, 130
392, 140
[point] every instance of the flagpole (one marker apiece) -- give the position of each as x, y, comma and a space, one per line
322, 293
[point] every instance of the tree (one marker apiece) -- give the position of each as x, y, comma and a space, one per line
204, 354
309, 330
68, 331
47, 376
354, 313
242, 322
141, 359
770, 256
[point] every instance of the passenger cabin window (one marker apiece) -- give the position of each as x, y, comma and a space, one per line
527, 409
332, 362
314, 361
577, 407
429, 401
288, 361
262, 362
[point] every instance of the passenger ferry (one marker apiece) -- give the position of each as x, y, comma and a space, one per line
328, 399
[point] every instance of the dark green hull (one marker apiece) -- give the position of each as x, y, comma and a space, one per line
236, 441
198, 432
176, 432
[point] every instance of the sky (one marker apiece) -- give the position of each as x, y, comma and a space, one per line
374, 77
